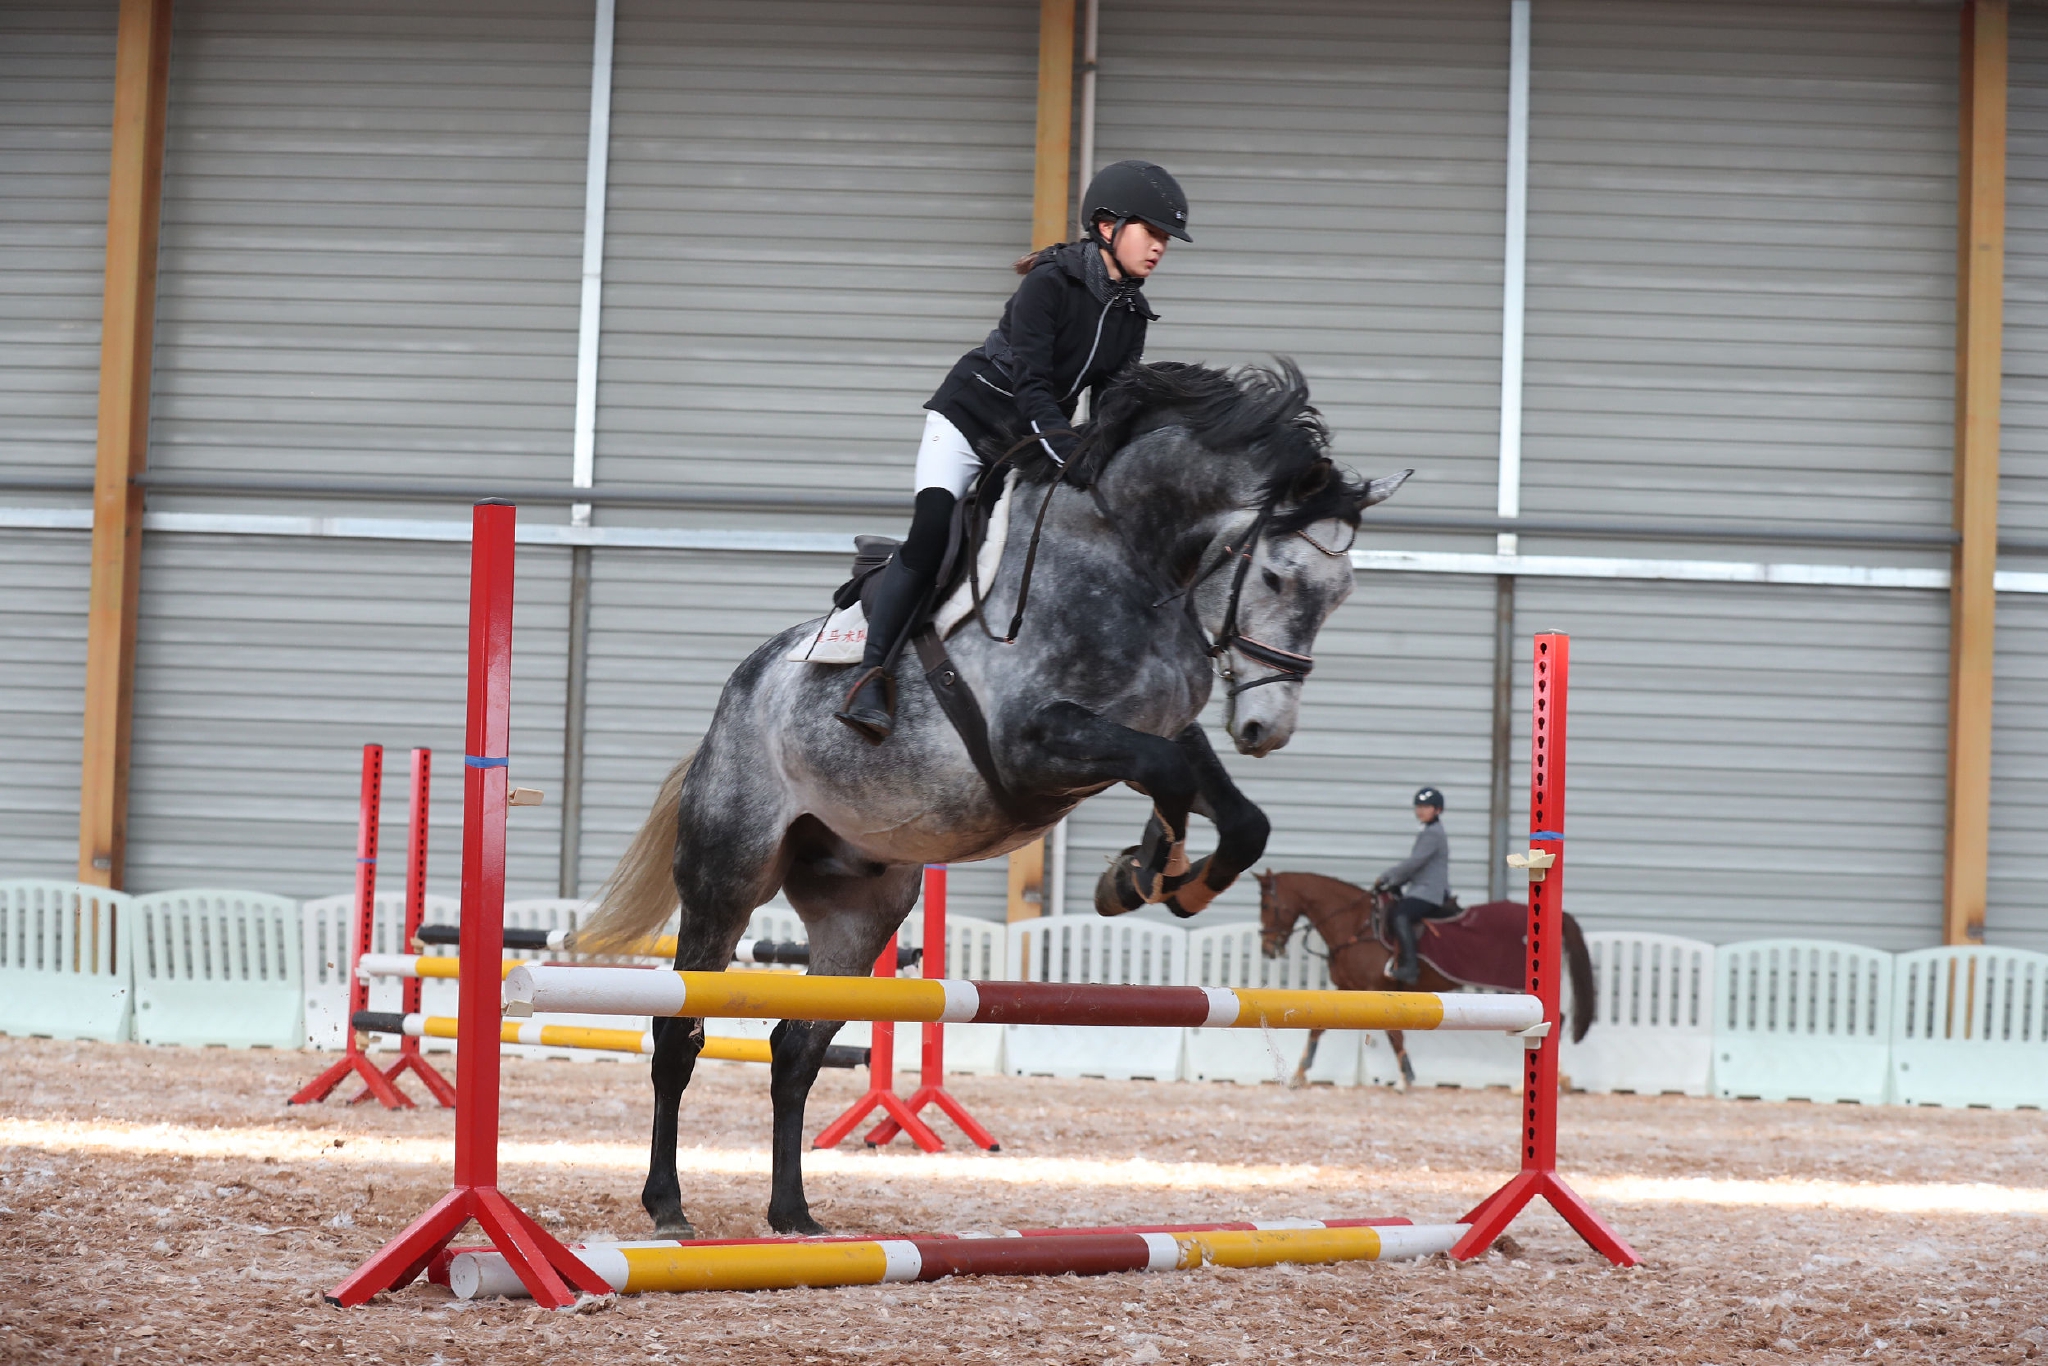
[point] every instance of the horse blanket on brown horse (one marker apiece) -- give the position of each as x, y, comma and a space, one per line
1475, 946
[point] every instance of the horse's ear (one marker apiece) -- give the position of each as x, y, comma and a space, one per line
1379, 490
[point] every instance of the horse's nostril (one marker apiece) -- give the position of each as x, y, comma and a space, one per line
1251, 732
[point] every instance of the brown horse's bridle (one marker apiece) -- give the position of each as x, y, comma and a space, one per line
1269, 895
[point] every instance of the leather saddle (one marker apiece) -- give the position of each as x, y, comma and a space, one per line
1475, 946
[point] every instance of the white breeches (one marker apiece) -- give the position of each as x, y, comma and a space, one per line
945, 460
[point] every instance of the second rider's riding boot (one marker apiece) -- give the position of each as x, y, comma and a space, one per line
870, 706
1406, 968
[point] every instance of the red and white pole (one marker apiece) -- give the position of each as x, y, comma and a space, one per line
1551, 690
549, 1271
353, 1062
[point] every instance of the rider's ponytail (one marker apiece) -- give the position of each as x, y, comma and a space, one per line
1031, 260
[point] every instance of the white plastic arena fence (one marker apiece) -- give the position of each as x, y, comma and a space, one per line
1969, 1026
1088, 948
327, 929
1230, 956
218, 967
64, 961
1802, 1019
1653, 1031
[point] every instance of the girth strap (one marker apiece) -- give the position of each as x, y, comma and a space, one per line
957, 700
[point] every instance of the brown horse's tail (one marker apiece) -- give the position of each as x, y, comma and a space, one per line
1578, 964
641, 892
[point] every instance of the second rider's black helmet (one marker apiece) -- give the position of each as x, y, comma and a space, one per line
1138, 190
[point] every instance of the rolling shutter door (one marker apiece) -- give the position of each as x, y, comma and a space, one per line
813, 210
1748, 761
371, 247
56, 96
2018, 909
1345, 168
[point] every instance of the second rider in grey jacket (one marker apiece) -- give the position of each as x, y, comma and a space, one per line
1423, 880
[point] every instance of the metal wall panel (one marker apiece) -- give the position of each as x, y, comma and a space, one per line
372, 238
2018, 909
1741, 264
262, 668
813, 210
666, 629
56, 118
1402, 695
43, 581
1746, 762
1346, 173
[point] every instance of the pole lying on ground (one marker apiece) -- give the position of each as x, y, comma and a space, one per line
781, 1265
1538, 1177
535, 1033
539, 988
549, 1271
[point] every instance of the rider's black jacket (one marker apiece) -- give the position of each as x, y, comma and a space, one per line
1068, 327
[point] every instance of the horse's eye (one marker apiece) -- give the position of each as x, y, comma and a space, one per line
1272, 580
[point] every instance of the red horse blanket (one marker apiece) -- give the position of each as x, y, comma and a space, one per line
1481, 946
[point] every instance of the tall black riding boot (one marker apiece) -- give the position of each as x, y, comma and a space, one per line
870, 706
1406, 969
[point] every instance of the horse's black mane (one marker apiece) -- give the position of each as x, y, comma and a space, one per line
1260, 410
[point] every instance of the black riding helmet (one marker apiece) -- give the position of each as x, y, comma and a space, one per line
1139, 190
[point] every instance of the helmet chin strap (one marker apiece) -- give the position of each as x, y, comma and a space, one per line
1122, 282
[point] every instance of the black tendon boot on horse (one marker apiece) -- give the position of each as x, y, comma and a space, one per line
900, 592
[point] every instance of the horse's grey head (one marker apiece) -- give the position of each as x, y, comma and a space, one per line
1295, 581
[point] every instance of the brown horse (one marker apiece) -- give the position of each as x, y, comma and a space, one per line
1346, 916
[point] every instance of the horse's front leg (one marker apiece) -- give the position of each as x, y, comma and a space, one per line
1241, 830
1308, 1060
1066, 747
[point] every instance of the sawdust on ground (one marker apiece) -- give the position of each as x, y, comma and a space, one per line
163, 1205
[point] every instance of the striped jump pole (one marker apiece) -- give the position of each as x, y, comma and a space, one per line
550, 1272
540, 988
1551, 687
760, 952
632, 1268
535, 1033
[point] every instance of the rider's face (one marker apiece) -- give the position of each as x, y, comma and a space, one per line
1425, 814
1138, 248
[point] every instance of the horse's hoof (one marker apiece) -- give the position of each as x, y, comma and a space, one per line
1296, 1082
1116, 891
801, 1223
682, 1230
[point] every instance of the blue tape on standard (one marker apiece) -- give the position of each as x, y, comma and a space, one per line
1546, 834
366, 860
479, 761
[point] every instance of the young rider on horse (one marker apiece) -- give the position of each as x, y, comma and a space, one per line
1077, 319
1423, 879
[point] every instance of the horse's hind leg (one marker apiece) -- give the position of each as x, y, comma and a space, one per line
851, 913
1308, 1060
1399, 1044
676, 1044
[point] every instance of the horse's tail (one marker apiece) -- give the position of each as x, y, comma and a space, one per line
1585, 987
641, 892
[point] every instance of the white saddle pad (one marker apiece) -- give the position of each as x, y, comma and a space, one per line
844, 636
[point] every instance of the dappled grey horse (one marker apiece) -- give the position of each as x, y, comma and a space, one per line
1200, 531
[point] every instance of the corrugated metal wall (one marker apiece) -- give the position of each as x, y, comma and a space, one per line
1741, 262
371, 237
1749, 760
2018, 910
1346, 171
56, 99
813, 211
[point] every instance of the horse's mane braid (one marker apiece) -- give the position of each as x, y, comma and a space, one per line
1260, 409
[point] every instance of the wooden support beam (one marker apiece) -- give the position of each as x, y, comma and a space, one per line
142, 66
1027, 882
1054, 166
1980, 284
